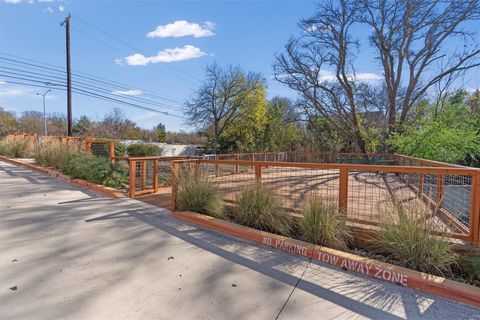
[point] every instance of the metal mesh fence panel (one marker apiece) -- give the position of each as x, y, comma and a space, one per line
100, 149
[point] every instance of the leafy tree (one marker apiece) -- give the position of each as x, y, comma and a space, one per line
216, 103
446, 133
8, 122
246, 131
83, 126
159, 134
115, 125
282, 130
33, 122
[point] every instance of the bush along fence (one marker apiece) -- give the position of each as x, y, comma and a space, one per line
362, 186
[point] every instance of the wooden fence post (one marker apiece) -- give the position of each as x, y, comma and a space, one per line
197, 168
143, 174
237, 167
112, 151
133, 167
174, 184
343, 190
309, 157
421, 182
155, 175
258, 173
409, 179
475, 211
440, 191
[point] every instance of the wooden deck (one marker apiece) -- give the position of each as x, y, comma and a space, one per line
162, 199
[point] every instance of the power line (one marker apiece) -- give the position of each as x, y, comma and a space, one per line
79, 74
62, 87
49, 77
87, 24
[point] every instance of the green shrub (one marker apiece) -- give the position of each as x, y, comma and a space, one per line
2, 148
258, 207
17, 147
324, 224
197, 193
97, 170
120, 149
406, 235
472, 265
54, 154
144, 150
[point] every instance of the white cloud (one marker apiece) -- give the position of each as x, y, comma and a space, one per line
2, 81
61, 8
11, 92
48, 10
133, 92
168, 55
183, 28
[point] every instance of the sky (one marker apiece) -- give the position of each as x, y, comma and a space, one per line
153, 47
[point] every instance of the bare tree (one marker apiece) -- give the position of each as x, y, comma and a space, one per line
410, 41
216, 103
410, 38
305, 67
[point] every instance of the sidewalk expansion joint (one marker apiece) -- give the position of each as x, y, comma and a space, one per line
293, 289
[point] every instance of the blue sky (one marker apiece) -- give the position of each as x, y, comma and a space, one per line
244, 33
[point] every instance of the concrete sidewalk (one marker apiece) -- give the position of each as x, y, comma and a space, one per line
76, 255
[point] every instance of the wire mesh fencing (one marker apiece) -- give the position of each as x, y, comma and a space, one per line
147, 174
447, 197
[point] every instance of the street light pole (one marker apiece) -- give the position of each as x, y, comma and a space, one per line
44, 113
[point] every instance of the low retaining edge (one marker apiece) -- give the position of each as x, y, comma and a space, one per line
109, 192
384, 271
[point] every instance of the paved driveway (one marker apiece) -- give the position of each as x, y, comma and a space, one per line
72, 254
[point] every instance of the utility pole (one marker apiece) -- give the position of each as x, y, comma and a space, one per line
44, 113
66, 23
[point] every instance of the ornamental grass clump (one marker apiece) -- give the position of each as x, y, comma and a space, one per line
259, 207
324, 224
55, 154
16, 147
197, 193
408, 235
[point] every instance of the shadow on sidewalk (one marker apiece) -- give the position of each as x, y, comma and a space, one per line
352, 291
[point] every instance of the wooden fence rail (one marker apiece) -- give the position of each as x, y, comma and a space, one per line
356, 185
144, 172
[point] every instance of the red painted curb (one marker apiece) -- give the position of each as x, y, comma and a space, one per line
109, 192
384, 271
